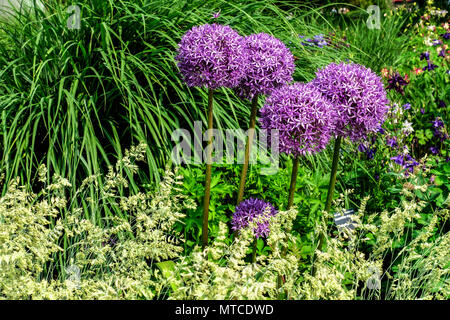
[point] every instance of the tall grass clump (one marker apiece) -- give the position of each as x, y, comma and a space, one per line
71, 98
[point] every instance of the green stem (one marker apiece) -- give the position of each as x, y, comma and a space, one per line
331, 185
251, 132
255, 242
294, 175
208, 171
293, 182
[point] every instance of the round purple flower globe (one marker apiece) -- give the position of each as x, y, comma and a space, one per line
270, 65
303, 117
253, 209
211, 55
358, 97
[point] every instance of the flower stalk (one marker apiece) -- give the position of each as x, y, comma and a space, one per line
251, 133
293, 182
331, 185
208, 171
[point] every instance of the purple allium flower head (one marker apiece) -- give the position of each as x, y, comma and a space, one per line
251, 209
357, 95
303, 116
425, 55
270, 65
396, 82
211, 55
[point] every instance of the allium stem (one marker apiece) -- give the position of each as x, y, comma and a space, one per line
251, 132
255, 242
208, 171
293, 182
280, 280
337, 147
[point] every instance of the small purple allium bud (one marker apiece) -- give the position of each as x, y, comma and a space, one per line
253, 209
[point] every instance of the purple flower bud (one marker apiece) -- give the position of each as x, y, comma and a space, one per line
251, 209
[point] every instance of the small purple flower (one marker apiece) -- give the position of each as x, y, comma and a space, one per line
370, 153
442, 53
392, 142
407, 106
216, 15
251, 209
406, 161
425, 55
446, 35
441, 104
358, 97
436, 42
430, 66
362, 147
434, 150
398, 159
422, 111
397, 82
437, 123
211, 55
270, 65
303, 117
318, 40
410, 163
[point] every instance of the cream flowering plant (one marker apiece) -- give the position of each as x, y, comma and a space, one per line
224, 150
